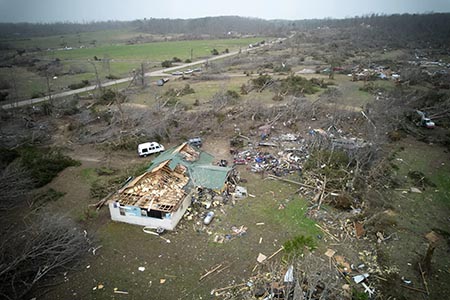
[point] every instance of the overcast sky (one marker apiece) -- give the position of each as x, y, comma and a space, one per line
100, 10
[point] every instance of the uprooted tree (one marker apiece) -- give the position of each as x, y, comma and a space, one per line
38, 252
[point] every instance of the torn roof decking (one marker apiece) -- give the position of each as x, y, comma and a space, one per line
159, 189
163, 186
199, 164
183, 154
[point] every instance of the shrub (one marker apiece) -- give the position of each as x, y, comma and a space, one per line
79, 85
261, 81
111, 96
176, 59
112, 77
282, 69
232, 94
214, 52
4, 85
7, 156
277, 98
187, 90
70, 107
294, 85
44, 164
166, 64
4, 95
297, 245
37, 95
188, 61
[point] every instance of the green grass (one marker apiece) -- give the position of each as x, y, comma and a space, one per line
204, 91
104, 37
430, 160
89, 175
278, 204
157, 51
124, 58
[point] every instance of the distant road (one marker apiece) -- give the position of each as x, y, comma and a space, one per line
161, 73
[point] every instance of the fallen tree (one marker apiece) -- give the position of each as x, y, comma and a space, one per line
37, 252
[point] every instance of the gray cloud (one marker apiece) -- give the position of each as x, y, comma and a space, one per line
99, 10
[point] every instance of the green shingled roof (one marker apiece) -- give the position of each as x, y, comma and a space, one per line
212, 177
201, 172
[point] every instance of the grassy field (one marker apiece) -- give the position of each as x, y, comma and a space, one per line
104, 37
157, 51
122, 60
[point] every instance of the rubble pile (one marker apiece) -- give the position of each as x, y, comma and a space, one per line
374, 72
205, 201
280, 155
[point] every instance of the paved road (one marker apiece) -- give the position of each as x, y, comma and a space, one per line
162, 73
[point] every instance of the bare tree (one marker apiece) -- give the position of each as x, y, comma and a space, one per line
16, 186
39, 251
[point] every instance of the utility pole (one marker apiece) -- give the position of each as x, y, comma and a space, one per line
13, 76
192, 54
49, 91
99, 84
142, 75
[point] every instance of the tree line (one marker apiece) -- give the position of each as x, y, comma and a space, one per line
400, 27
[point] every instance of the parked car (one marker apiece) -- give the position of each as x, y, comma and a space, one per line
196, 141
145, 149
177, 73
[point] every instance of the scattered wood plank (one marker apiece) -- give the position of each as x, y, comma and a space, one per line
422, 273
323, 191
291, 181
227, 288
275, 253
210, 271
327, 232
413, 289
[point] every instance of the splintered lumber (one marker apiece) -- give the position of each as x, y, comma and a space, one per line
423, 279
327, 232
291, 181
276, 252
322, 193
210, 271
228, 288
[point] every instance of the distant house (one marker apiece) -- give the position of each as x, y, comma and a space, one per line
160, 196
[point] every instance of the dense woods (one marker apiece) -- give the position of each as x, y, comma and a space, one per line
407, 27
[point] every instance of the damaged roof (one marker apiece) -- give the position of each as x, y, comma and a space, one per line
160, 189
164, 186
199, 164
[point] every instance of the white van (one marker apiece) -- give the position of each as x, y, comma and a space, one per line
149, 148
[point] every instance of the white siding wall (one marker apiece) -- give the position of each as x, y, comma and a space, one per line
168, 224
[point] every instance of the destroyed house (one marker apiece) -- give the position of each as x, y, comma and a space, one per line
160, 196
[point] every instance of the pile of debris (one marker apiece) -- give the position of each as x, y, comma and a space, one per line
374, 72
280, 155
312, 277
204, 201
